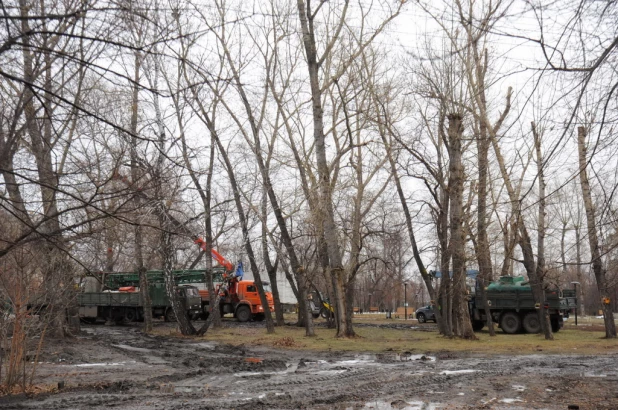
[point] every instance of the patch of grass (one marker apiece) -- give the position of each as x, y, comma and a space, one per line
374, 339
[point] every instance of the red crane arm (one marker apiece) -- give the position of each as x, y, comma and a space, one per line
215, 255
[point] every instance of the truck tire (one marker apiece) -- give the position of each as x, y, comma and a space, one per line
532, 324
169, 315
478, 325
130, 315
315, 315
555, 325
421, 318
243, 314
325, 313
510, 323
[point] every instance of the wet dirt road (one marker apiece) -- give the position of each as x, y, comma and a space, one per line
118, 367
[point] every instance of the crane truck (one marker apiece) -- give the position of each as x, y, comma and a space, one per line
237, 296
122, 299
241, 298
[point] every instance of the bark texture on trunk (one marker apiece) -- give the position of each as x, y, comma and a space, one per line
540, 262
326, 216
597, 265
271, 268
167, 255
521, 233
483, 253
144, 287
302, 284
136, 175
463, 325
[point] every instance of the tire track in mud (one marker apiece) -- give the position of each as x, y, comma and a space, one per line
204, 375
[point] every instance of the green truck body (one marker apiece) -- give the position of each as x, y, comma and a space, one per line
127, 306
116, 280
513, 308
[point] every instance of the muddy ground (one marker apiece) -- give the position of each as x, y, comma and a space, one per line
119, 367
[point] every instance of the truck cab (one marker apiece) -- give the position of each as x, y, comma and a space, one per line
191, 299
241, 298
248, 295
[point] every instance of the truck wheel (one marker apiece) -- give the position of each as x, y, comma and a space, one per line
315, 315
477, 325
510, 323
421, 318
555, 325
243, 314
130, 315
532, 323
169, 315
325, 313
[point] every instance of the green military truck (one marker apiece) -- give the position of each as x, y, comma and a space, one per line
513, 308
126, 305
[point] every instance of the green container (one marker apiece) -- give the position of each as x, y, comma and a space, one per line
509, 284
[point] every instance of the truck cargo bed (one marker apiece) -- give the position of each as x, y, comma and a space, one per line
108, 299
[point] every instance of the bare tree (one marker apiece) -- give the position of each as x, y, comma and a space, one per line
326, 218
593, 240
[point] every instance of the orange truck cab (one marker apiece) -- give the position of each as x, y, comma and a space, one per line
241, 298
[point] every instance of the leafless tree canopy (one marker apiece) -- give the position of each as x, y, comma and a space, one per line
348, 147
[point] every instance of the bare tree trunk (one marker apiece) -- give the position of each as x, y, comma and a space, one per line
457, 243
408, 217
270, 268
205, 193
540, 262
483, 255
578, 260
137, 201
300, 275
521, 233
213, 299
166, 224
270, 328
326, 218
595, 253
144, 288
264, 166
444, 300
563, 248
41, 146
308, 318
167, 254
7, 153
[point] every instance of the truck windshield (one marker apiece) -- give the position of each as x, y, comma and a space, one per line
191, 292
266, 287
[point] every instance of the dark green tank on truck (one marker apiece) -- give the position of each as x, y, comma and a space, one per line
513, 308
